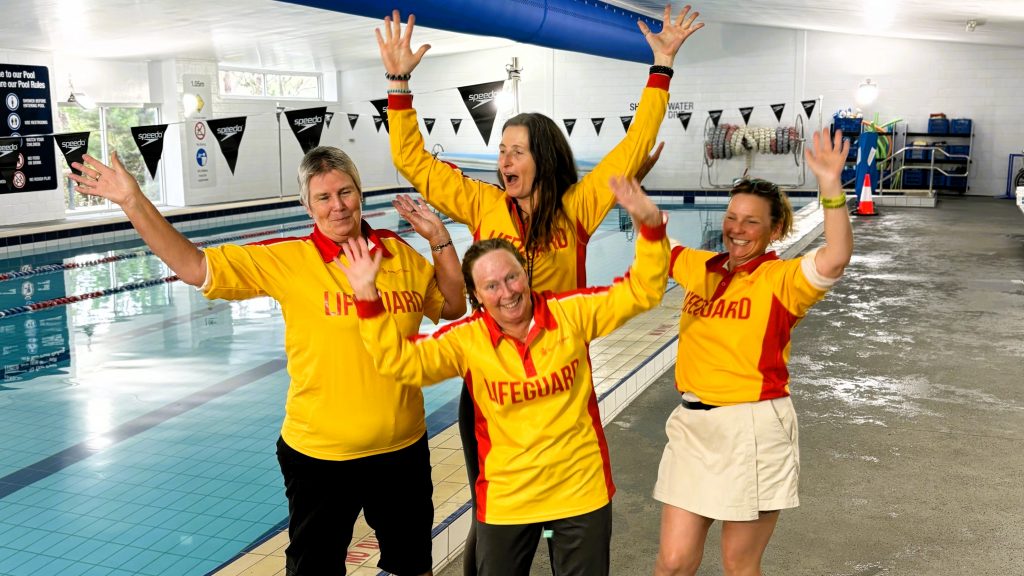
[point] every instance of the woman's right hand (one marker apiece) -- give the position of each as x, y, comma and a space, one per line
395, 50
634, 200
111, 182
362, 268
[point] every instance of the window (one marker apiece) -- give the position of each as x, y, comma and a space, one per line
110, 129
258, 84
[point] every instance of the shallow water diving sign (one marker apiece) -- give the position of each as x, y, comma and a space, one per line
199, 154
26, 113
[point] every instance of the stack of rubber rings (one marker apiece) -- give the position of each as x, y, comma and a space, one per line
728, 140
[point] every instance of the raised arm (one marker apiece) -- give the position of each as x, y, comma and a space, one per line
420, 363
115, 184
666, 44
447, 269
826, 159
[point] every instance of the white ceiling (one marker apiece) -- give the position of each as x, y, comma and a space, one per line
278, 35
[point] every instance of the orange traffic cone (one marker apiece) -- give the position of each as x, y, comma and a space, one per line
866, 207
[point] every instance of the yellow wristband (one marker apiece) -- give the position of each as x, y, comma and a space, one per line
833, 201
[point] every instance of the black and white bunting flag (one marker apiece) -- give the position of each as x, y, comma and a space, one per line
150, 140
715, 116
381, 104
307, 125
74, 145
456, 122
377, 121
228, 133
352, 118
570, 123
598, 122
11, 159
429, 123
778, 108
480, 101
745, 113
808, 107
684, 118
327, 119
626, 121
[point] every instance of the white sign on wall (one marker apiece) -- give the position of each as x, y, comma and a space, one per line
198, 100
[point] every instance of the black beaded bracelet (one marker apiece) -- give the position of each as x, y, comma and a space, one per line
397, 77
657, 69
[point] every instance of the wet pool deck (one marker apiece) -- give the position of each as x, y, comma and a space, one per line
909, 384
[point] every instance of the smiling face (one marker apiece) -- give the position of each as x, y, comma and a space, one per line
747, 228
516, 165
500, 285
334, 204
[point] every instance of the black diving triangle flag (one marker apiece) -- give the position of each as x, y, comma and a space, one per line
228, 133
307, 125
73, 146
150, 140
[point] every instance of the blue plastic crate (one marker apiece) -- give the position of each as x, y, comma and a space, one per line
960, 126
919, 155
938, 125
958, 150
848, 175
914, 177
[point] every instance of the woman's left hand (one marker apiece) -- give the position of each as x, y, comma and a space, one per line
666, 44
423, 220
362, 268
827, 156
395, 47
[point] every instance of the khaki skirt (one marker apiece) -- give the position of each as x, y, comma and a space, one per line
731, 462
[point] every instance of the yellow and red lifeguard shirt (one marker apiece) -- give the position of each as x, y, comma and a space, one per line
490, 213
541, 447
735, 327
339, 406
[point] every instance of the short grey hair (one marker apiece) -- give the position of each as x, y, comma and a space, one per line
321, 160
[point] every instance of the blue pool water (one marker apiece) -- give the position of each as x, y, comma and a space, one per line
137, 429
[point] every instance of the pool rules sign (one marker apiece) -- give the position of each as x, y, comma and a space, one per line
28, 161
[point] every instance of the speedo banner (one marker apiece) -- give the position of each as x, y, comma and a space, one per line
307, 125
480, 101
150, 140
73, 146
228, 133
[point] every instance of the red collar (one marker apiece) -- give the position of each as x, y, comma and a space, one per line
717, 263
329, 250
542, 319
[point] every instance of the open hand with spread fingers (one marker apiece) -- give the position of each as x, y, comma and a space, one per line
362, 267
424, 221
666, 44
827, 156
395, 47
111, 182
634, 200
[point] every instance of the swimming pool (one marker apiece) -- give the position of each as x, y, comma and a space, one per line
138, 425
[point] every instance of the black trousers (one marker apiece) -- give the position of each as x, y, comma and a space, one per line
467, 425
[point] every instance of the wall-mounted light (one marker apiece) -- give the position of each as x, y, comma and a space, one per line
867, 93
80, 98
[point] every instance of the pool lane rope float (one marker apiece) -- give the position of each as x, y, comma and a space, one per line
65, 300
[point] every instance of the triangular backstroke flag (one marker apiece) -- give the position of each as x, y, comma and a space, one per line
228, 133
808, 107
328, 116
381, 104
10, 158
352, 118
715, 115
150, 140
429, 123
307, 125
778, 108
745, 113
598, 122
480, 100
377, 121
73, 146
456, 122
570, 123
626, 121
684, 118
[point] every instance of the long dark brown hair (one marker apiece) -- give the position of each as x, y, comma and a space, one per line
556, 173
